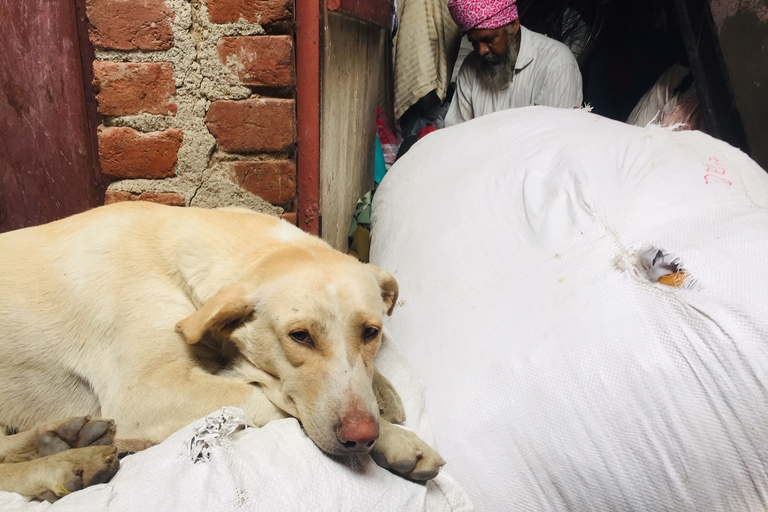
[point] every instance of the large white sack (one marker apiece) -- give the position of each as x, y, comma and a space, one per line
210, 466
558, 375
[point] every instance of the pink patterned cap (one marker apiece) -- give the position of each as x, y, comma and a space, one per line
483, 14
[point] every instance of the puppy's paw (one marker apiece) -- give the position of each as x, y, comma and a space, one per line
405, 453
390, 404
75, 433
72, 470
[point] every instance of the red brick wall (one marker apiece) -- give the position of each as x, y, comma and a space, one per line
193, 90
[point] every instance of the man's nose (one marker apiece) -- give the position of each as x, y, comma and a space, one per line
483, 49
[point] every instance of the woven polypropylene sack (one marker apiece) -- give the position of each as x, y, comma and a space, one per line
559, 374
216, 464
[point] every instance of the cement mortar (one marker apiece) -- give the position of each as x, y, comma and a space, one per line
223, 156
200, 79
218, 190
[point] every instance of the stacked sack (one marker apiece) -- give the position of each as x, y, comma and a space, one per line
587, 304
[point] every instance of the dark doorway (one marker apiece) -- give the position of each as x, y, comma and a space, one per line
626, 45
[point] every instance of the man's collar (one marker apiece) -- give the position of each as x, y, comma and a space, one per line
525, 52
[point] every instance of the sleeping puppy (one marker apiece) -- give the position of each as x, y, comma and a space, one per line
155, 316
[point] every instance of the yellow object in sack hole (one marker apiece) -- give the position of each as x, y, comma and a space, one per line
676, 279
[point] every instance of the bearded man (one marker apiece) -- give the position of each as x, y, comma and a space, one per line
510, 65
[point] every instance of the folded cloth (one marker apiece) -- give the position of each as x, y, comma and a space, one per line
425, 49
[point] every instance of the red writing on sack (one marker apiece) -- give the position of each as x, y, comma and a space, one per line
715, 170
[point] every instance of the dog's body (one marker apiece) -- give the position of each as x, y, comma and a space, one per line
154, 316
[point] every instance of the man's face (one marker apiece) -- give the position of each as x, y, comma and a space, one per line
491, 45
497, 50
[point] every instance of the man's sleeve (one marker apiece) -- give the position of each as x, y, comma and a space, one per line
562, 87
461, 104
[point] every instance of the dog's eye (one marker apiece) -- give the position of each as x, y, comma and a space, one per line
370, 333
302, 337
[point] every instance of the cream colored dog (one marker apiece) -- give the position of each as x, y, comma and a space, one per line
154, 316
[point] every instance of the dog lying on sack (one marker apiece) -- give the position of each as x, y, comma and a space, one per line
154, 316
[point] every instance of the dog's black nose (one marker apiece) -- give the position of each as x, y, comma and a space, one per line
351, 445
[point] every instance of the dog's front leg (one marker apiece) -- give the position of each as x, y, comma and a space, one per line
57, 475
56, 437
403, 452
261, 409
187, 395
390, 404
18, 447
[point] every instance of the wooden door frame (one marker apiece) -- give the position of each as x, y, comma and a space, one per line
310, 21
94, 118
309, 16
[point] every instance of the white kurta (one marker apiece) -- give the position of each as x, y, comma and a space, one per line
546, 73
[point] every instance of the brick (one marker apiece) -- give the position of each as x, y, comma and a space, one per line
131, 88
130, 24
289, 217
169, 198
273, 180
126, 153
259, 60
263, 12
254, 125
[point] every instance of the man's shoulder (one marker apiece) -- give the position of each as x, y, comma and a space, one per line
551, 51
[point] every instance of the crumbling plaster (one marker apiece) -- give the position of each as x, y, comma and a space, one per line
200, 79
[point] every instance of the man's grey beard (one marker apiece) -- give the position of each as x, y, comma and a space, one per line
496, 72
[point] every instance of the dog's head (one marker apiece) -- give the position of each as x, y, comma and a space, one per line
307, 323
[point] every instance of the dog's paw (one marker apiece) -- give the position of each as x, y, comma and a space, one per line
129, 446
72, 470
390, 404
75, 433
405, 453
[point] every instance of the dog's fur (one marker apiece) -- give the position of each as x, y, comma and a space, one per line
154, 316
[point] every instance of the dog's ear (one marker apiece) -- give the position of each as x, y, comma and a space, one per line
229, 305
389, 288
